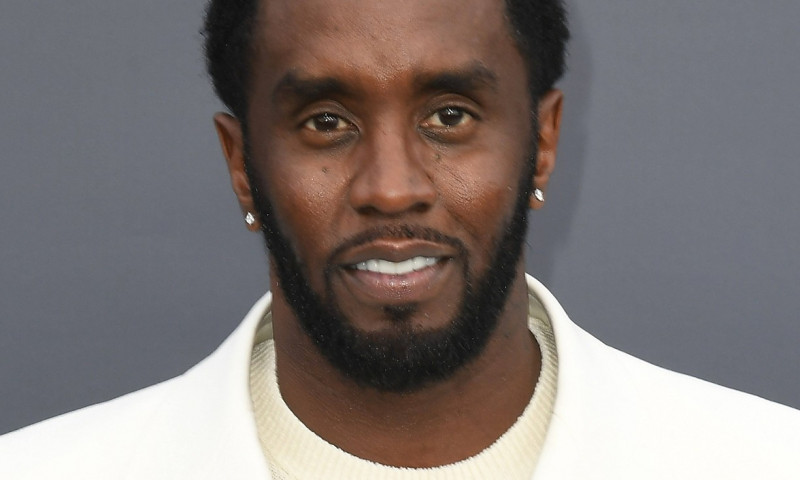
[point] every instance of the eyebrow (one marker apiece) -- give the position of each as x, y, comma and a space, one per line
294, 85
474, 77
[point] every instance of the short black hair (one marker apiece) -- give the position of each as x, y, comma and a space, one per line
539, 28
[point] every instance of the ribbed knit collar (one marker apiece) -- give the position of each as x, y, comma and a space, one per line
296, 453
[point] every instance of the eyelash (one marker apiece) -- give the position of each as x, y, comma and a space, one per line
433, 126
311, 122
463, 113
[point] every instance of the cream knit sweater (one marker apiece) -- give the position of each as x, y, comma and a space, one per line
296, 453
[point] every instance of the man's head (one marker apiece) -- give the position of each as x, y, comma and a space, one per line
389, 150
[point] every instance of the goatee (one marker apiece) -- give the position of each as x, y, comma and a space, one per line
402, 359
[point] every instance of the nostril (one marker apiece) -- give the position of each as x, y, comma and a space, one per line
421, 207
367, 210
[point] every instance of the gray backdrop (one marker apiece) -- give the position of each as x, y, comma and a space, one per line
671, 227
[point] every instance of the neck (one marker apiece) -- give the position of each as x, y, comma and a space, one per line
437, 425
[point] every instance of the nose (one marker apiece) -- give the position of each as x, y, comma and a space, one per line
391, 178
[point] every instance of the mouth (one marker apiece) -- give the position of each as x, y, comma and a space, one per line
388, 267
394, 272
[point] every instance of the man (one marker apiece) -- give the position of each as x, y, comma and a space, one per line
389, 152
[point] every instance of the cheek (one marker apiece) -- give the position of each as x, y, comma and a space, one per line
485, 178
480, 190
304, 201
484, 191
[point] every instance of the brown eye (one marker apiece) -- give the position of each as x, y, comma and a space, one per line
448, 117
326, 122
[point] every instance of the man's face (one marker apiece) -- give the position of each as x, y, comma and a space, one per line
389, 149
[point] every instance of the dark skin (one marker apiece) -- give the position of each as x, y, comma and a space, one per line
394, 113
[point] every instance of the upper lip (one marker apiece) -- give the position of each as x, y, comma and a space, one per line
393, 250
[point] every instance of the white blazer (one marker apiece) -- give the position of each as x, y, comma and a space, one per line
615, 417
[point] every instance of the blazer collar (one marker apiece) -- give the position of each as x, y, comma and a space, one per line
231, 416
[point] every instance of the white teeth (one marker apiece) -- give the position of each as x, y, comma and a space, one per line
397, 268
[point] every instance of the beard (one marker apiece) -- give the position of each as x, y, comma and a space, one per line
402, 359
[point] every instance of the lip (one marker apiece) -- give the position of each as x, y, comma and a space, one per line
394, 251
380, 289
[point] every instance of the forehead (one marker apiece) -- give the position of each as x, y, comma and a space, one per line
383, 40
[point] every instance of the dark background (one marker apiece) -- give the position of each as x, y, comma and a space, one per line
671, 227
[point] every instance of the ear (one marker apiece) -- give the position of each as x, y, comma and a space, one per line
231, 139
550, 106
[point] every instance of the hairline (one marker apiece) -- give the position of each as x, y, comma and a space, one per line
250, 28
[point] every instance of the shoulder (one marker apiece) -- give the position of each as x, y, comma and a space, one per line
85, 440
662, 399
626, 418
196, 425
628, 415
701, 429
703, 409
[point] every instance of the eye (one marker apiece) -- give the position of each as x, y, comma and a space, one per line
448, 117
326, 122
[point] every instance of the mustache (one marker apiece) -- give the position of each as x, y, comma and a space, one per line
405, 232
